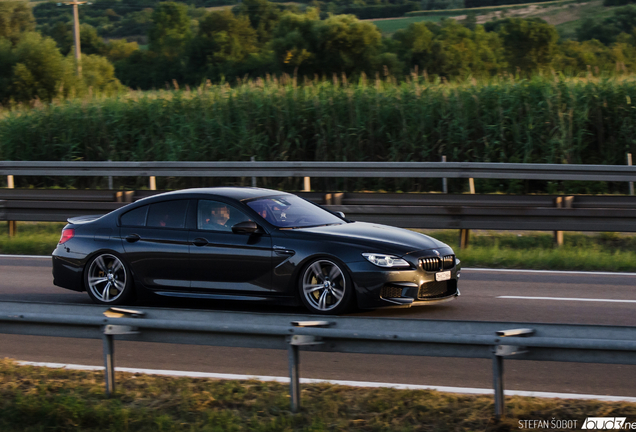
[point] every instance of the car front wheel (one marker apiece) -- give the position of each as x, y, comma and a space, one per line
326, 288
108, 281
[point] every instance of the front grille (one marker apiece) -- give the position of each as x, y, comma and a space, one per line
430, 264
437, 289
391, 292
448, 262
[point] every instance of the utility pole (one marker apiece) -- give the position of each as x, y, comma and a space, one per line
76, 34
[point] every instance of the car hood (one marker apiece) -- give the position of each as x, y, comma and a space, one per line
382, 238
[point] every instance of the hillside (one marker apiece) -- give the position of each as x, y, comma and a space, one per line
566, 17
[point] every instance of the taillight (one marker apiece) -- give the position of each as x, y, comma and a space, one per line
67, 234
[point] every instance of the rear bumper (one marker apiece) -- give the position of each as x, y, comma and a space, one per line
68, 273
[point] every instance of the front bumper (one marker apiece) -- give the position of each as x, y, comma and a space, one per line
378, 288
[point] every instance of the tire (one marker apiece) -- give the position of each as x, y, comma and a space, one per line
108, 280
326, 287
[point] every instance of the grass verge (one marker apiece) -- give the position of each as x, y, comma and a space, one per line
38, 399
533, 250
32, 238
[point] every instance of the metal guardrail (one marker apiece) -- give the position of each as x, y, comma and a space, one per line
431, 211
622, 173
466, 339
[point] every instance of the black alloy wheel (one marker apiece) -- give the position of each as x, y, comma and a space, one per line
326, 288
108, 281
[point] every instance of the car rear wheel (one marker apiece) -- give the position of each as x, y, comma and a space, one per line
326, 288
108, 280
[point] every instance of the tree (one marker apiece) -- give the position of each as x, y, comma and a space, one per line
450, 50
98, 77
35, 68
223, 42
119, 49
346, 44
15, 18
295, 42
263, 16
170, 31
415, 44
529, 44
38, 68
608, 30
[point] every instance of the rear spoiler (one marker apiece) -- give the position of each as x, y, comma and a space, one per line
83, 219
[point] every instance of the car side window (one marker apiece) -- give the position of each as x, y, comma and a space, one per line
135, 217
168, 214
218, 216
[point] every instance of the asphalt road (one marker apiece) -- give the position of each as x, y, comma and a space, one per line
27, 279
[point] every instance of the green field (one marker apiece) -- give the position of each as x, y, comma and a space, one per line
567, 16
390, 26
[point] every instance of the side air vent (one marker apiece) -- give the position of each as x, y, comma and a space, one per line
391, 292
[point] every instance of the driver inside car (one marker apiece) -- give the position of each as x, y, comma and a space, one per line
217, 217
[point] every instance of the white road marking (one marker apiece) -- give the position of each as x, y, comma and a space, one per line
566, 299
25, 256
462, 390
572, 272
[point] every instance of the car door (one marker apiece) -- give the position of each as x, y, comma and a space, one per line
224, 261
155, 239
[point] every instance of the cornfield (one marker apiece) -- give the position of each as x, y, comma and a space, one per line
540, 120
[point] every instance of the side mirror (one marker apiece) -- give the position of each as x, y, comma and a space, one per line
341, 214
247, 227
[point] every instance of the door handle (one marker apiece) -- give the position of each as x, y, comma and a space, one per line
132, 238
200, 241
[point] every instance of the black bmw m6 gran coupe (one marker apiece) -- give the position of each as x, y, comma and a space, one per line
250, 244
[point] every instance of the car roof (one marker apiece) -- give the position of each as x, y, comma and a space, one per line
237, 193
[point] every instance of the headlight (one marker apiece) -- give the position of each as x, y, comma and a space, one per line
388, 261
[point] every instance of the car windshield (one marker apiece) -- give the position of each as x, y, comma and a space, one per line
290, 211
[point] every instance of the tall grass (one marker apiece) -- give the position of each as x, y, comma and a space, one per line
541, 120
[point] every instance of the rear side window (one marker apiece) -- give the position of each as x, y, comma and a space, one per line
168, 214
136, 217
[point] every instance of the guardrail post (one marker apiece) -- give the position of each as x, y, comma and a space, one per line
464, 237
562, 202
109, 363
153, 183
13, 225
306, 184
294, 378
253, 159
110, 179
498, 353
497, 373
295, 342
108, 333
444, 180
631, 184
